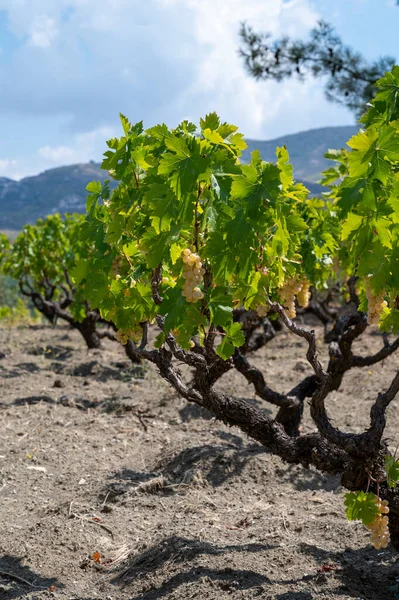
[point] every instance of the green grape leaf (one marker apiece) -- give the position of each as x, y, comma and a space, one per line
392, 470
225, 349
233, 339
182, 165
173, 307
221, 307
284, 166
163, 206
236, 334
94, 187
213, 136
382, 227
125, 123
79, 271
361, 506
254, 187
296, 223
210, 122
157, 246
390, 320
226, 130
159, 340
237, 140
175, 252
352, 223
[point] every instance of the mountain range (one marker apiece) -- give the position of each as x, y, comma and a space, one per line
63, 189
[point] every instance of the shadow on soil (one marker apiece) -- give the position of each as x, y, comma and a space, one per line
165, 567
57, 352
362, 573
207, 464
17, 580
308, 479
175, 551
111, 404
216, 463
18, 370
93, 368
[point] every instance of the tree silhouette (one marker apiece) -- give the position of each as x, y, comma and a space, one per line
349, 77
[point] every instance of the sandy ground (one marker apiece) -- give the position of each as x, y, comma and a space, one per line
102, 461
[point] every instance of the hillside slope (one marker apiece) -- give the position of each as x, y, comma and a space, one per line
306, 149
64, 189
56, 190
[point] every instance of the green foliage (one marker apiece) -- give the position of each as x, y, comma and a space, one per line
9, 292
18, 314
251, 225
361, 506
42, 257
364, 506
366, 198
392, 470
4, 244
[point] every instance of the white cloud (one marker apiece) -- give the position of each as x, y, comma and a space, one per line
6, 166
85, 147
44, 31
154, 60
221, 80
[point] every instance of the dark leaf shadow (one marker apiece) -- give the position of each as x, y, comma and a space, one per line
17, 580
308, 479
211, 464
174, 551
52, 352
18, 370
217, 463
32, 400
363, 573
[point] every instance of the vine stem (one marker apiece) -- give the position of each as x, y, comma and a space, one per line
129, 261
137, 179
196, 223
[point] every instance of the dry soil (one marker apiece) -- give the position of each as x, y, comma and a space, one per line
112, 487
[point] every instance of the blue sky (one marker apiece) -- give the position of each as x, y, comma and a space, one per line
68, 67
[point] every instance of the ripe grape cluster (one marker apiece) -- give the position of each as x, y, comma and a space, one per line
379, 526
376, 305
130, 334
304, 294
262, 310
193, 273
291, 288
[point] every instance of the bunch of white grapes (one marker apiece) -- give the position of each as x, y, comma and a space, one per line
130, 334
193, 273
262, 310
376, 305
379, 526
303, 295
291, 288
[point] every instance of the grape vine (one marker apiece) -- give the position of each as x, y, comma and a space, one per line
183, 201
371, 509
191, 239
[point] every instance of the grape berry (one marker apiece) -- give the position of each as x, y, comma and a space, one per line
291, 288
376, 305
130, 334
379, 526
193, 273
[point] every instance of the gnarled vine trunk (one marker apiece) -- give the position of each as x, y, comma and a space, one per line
88, 329
356, 457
